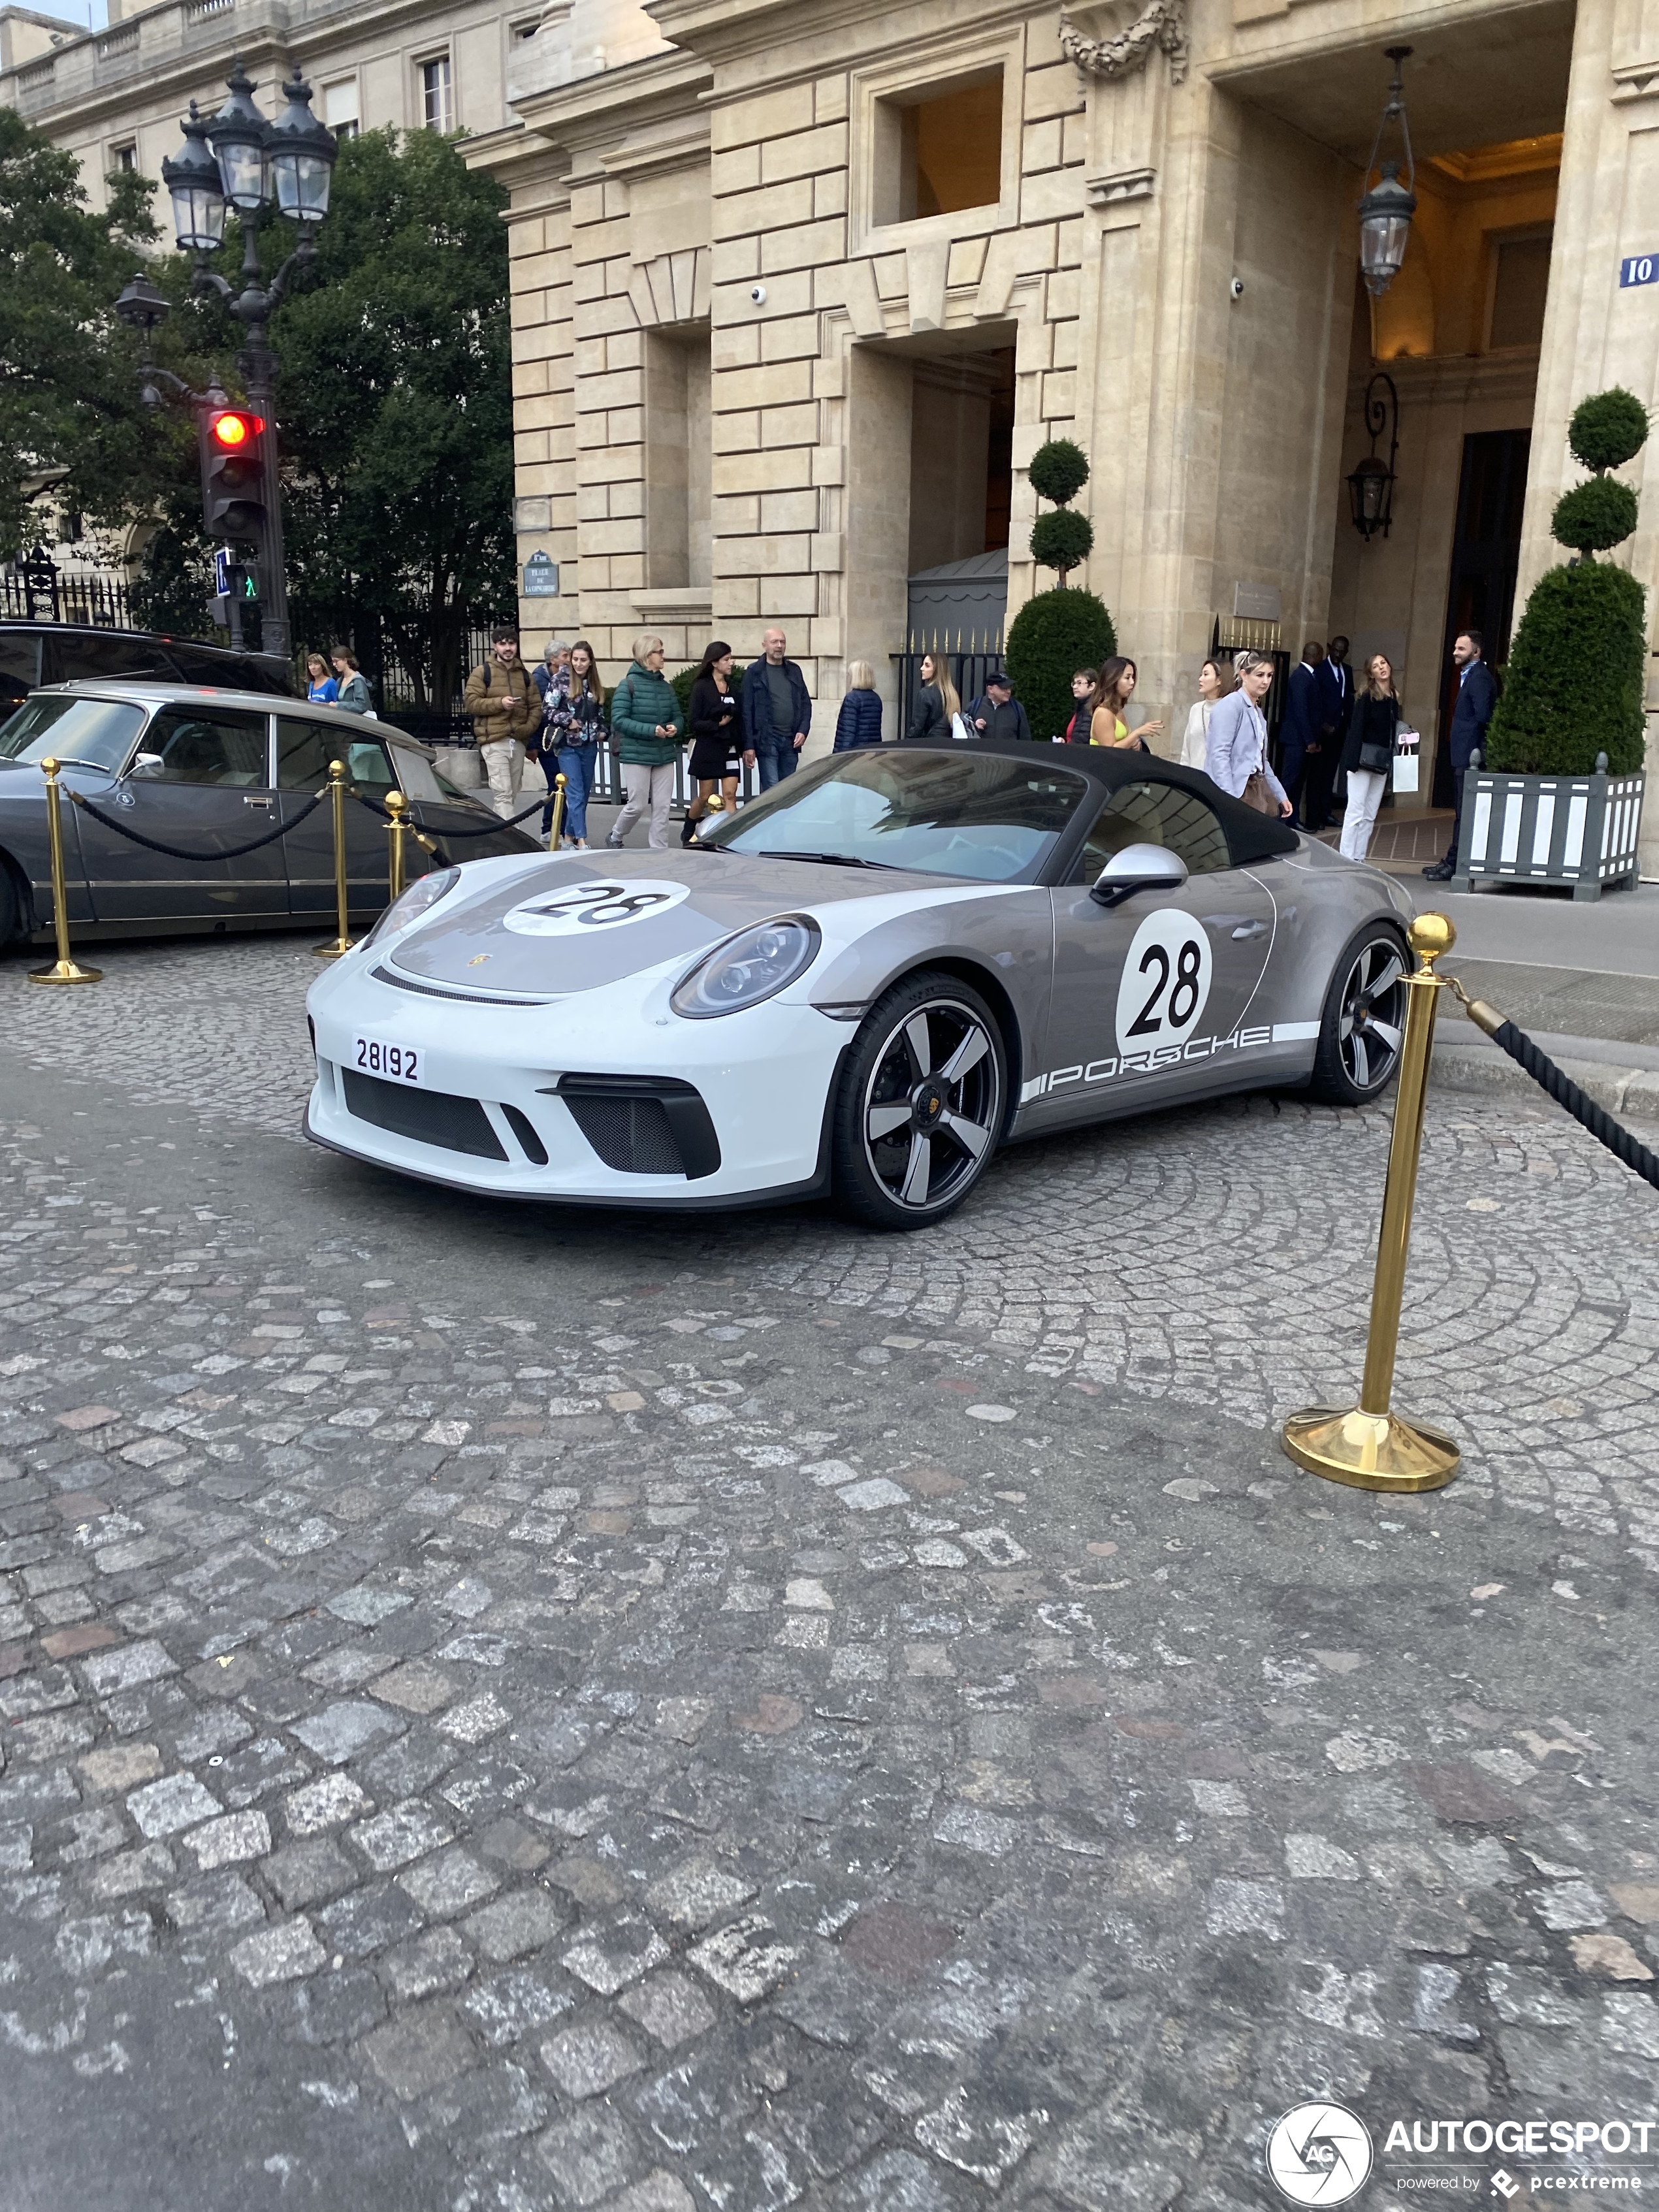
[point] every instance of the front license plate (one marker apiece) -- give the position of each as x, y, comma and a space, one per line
397, 1063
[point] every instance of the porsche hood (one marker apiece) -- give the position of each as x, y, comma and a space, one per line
584, 919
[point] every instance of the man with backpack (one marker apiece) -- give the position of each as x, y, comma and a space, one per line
505, 711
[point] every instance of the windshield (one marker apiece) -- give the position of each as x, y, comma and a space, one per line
90, 732
984, 816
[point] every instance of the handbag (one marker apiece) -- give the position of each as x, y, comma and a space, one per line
962, 729
1258, 793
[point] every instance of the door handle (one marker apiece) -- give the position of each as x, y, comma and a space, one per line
1246, 930
250, 800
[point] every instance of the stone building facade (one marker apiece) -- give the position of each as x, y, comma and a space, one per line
800, 285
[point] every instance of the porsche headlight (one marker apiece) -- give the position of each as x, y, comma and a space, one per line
753, 965
420, 894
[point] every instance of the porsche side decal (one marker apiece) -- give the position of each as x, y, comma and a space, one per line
1112, 1068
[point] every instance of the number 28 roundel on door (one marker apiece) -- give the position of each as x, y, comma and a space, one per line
1165, 983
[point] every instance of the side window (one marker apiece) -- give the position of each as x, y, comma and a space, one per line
1155, 814
211, 745
419, 779
304, 751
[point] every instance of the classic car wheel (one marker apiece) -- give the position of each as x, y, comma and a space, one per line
1364, 1017
920, 1105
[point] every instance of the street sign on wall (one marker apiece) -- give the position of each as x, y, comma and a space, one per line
541, 577
1639, 268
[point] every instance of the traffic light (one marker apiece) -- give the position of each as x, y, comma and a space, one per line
233, 475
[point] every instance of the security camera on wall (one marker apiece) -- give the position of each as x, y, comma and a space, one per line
758, 293
1236, 289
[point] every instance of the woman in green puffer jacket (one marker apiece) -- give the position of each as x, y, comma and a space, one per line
650, 730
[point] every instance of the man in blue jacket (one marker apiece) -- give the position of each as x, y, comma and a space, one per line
1301, 731
775, 710
1477, 694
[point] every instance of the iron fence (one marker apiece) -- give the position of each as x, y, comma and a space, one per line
34, 589
970, 662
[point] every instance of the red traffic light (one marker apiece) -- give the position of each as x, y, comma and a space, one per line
233, 429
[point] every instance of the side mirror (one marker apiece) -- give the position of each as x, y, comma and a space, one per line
146, 764
1137, 868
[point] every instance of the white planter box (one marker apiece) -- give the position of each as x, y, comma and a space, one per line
1577, 830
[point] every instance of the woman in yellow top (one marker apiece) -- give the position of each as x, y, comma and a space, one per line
1112, 694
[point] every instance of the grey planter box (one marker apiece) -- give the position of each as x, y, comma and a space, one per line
1577, 830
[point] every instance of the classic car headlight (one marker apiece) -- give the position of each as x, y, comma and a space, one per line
424, 893
753, 965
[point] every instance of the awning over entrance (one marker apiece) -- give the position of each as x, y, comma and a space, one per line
966, 599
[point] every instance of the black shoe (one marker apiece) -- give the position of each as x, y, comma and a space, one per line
690, 832
1441, 872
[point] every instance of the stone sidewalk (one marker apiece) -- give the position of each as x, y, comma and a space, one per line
510, 1711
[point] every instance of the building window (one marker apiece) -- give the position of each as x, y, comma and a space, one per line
527, 30
340, 107
938, 149
123, 157
1521, 280
437, 94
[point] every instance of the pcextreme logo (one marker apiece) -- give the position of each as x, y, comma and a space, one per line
1321, 2153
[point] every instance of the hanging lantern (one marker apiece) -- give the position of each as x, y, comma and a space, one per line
240, 138
1386, 210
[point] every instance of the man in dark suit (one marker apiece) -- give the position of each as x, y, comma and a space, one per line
1477, 694
1299, 731
1335, 706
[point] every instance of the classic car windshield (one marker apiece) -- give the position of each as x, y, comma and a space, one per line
90, 732
983, 816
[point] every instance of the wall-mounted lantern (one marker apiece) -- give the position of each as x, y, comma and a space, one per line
1371, 484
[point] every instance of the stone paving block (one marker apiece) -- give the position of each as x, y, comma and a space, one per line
310, 1873
668, 2008
214, 1903
419, 2051
516, 1925
338, 2008
415, 1688
697, 1893
125, 1668
897, 2181
590, 2057
133, 1871
325, 1803
513, 2005
404, 1834
368, 1920
120, 1766
448, 1883
608, 1957
342, 1730
478, 1719
178, 1801
436, 1961
226, 1841
589, 2155
285, 1953
659, 2191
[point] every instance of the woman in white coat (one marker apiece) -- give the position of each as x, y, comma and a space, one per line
1211, 686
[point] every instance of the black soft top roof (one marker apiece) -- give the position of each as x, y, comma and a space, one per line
1250, 836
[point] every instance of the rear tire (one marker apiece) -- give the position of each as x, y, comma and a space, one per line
1363, 1020
920, 1105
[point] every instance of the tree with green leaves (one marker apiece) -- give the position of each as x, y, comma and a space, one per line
395, 407
1063, 540
70, 420
1574, 683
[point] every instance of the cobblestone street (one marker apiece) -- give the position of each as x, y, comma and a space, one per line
507, 1710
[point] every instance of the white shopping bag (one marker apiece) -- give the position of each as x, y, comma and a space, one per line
1405, 770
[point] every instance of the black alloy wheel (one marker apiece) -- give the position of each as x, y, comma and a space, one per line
1363, 1023
920, 1108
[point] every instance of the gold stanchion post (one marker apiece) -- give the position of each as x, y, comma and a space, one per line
342, 941
557, 834
65, 969
396, 806
1371, 1448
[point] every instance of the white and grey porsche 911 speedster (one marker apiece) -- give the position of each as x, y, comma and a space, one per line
860, 986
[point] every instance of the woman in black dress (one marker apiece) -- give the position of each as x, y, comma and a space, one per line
716, 740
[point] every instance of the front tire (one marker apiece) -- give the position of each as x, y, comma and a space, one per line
920, 1105
1362, 1024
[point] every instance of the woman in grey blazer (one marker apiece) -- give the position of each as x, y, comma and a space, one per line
1236, 747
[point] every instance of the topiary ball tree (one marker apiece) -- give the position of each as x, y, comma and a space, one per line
1576, 665
1061, 541
1051, 637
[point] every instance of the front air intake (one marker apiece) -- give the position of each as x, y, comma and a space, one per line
644, 1124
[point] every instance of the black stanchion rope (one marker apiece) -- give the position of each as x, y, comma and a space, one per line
1566, 1093
177, 851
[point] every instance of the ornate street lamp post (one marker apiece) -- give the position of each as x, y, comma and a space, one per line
1386, 211
1370, 483
238, 160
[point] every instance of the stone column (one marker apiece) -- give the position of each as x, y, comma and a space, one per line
1597, 332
